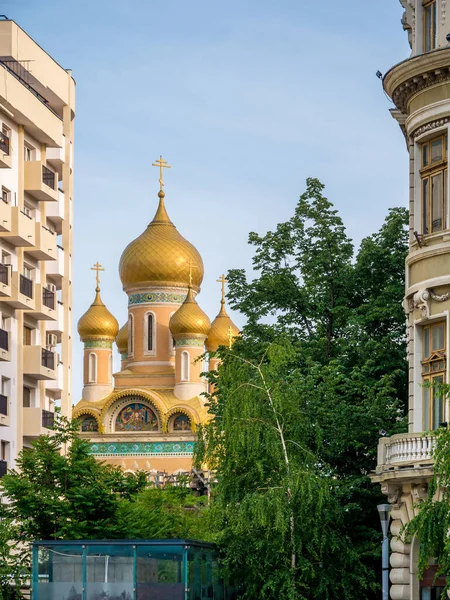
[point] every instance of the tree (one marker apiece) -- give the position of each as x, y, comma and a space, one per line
319, 320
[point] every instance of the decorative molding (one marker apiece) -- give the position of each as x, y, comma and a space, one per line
392, 491
420, 492
421, 302
156, 297
439, 297
430, 126
142, 449
98, 344
443, 11
406, 90
197, 343
176, 410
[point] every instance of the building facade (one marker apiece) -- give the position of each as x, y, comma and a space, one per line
37, 109
145, 416
420, 90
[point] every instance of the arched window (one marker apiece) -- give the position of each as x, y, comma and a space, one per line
185, 366
149, 333
150, 328
92, 375
130, 335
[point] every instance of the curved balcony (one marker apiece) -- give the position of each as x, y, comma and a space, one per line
405, 451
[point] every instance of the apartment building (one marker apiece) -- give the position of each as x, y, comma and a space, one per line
37, 109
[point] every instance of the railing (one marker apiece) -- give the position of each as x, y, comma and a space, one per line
48, 177
4, 340
405, 448
4, 274
48, 419
3, 405
48, 298
26, 286
48, 359
4, 143
3, 467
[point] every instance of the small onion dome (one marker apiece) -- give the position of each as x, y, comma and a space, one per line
97, 322
122, 339
160, 256
189, 320
220, 331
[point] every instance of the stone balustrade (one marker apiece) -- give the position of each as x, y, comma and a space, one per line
399, 450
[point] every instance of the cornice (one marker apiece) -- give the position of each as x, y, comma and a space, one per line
414, 74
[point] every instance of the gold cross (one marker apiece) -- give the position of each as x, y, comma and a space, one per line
223, 281
191, 266
162, 164
97, 267
230, 336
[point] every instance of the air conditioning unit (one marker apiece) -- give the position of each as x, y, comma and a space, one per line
52, 340
51, 287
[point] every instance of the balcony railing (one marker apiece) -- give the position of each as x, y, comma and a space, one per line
4, 274
3, 467
3, 405
48, 359
48, 298
26, 286
48, 419
4, 340
48, 177
4, 143
399, 450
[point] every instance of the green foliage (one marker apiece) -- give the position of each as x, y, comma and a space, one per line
319, 323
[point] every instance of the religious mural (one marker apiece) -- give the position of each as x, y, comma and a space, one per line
136, 417
89, 424
181, 423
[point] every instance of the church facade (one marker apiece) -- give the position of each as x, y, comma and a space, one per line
145, 416
420, 90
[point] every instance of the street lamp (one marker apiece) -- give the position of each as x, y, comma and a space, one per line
383, 511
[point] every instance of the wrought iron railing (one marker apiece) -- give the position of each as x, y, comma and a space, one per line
26, 286
48, 359
48, 419
48, 298
4, 274
48, 177
3, 404
4, 340
4, 143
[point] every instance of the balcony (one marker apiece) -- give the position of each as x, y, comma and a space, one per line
55, 210
56, 157
55, 269
3, 467
5, 347
40, 182
21, 292
39, 363
5, 217
4, 412
5, 152
45, 245
45, 307
402, 452
23, 229
37, 421
5, 280
56, 386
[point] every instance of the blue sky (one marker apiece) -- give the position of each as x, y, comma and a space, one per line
244, 99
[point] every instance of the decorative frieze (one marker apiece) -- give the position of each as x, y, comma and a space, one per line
156, 298
98, 344
142, 448
431, 126
197, 343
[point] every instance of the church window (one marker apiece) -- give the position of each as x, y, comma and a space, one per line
136, 417
434, 184
433, 374
185, 366
429, 25
92, 375
130, 335
149, 333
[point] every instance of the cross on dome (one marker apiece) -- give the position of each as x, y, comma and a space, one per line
222, 279
162, 164
97, 267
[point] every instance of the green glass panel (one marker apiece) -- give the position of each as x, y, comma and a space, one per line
109, 572
160, 572
60, 573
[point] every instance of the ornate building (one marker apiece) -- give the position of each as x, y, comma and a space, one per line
420, 90
146, 416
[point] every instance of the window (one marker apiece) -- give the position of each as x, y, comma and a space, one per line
28, 272
28, 211
27, 397
4, 450
92, 375
434, 184
429, 25
185, 366
433, 373
130, 335
27, 334
6, 195
150, 332
28, 152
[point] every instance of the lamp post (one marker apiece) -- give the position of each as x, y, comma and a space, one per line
383, 511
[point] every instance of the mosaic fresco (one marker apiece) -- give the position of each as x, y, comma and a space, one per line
181, 423
136, 417
89, 423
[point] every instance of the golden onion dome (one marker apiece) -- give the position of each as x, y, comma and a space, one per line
97, 322
160, 256
223, 330
122, 339
189, 320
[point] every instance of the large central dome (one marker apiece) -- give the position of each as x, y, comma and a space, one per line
160, 256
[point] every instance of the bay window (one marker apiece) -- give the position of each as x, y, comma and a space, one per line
433, 373
434, 184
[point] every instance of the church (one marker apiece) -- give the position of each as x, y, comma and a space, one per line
145, 416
